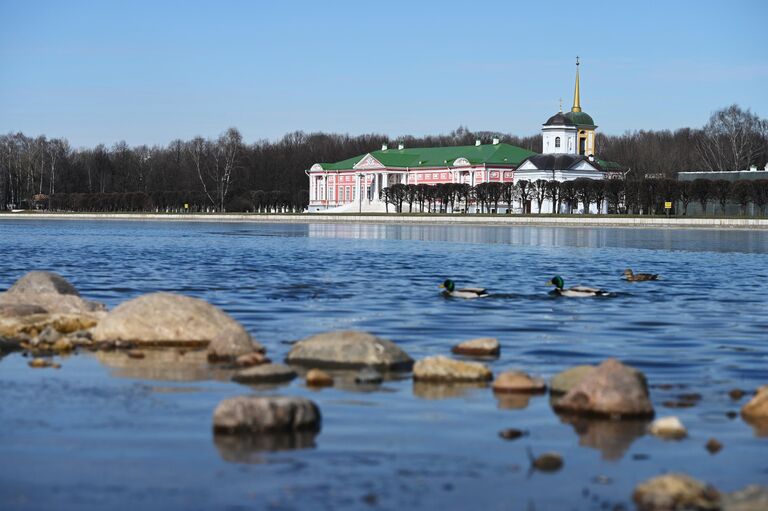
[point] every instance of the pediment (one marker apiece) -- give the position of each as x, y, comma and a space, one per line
584, 165
461, 162
368, 162
527, 165
316, 168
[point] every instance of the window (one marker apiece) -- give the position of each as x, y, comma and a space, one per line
347, 195
557, 141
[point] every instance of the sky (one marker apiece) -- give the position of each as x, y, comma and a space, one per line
149, 72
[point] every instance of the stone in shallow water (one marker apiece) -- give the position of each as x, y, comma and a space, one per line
166, 319
751, 498
319, 378
612, 389
713, 446
672, 492
265, 373
258, 414
548, 462
349, 349
668, 427
518, 382
51, 292
564, 381
757, 407
444, 369
482, 347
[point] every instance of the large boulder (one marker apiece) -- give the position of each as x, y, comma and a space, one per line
349, 349
272, 414
757, 407
444, 369
672, 492
166, 319
51, 292
612, 389
564, 381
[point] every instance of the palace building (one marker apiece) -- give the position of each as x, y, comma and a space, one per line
355, 184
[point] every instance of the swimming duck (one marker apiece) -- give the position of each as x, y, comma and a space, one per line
639, 277
575, 291
466, 292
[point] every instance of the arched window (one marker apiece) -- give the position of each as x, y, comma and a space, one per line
557, 141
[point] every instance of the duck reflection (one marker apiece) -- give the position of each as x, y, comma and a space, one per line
611, 437
251, 448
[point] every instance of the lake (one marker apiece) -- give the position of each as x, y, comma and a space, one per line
104, 432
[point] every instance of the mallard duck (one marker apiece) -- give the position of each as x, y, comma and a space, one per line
575, 291
639, 277
465, 292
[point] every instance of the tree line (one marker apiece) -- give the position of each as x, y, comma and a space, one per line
618, 196
227, 174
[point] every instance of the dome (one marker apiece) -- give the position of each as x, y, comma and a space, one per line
559, 119
579, 119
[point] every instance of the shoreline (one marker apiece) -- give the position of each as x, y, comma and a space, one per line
416, 219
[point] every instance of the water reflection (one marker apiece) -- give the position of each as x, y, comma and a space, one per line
164, 365
514, 400
251, 448
428, 390
611, 437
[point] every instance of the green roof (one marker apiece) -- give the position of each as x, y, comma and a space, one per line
609, 165
415, 157
580, 118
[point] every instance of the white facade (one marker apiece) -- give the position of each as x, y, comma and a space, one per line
558, 139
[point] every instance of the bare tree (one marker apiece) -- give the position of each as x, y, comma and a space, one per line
732, 139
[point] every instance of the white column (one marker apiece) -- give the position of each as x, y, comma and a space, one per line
384, 180
325, 184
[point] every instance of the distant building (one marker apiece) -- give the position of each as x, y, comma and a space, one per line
568, 153
731, 208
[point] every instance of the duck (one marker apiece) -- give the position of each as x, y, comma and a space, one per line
575, 291
466, 292
639, 277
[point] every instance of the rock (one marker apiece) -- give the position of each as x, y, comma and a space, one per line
50, 292
675, 492
166, 319
668, 427
757, 407
547, 462
713, 446
265, 373
349, 349
49, 335
63, 345
368, 376
319, 378
252, 359
43, 362
611, 389
482, 347
751, 498
518, 382
512, 433
136, 354
274, 414
444, 369
32, 325
736, 394
564, 381
10, 310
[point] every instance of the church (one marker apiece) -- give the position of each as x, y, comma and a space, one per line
355, 184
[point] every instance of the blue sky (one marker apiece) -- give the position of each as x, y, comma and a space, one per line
153, 71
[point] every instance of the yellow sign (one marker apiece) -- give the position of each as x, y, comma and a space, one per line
186, 206
667, 205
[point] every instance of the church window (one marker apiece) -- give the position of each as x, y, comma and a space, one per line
557, 141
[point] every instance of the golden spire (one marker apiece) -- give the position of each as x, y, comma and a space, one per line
576, 99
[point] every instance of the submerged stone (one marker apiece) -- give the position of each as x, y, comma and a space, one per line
668, 427
518, 382
265, 373
319, 378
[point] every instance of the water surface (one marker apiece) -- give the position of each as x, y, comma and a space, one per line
104, 432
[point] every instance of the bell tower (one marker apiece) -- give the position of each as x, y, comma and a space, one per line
585, 134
